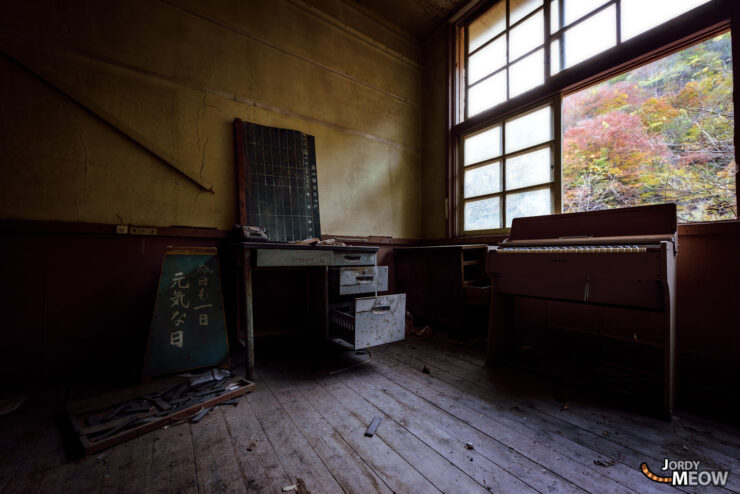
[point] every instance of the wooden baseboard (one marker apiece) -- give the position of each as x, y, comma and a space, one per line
68, 227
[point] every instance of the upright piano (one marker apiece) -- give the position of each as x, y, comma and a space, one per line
619, 257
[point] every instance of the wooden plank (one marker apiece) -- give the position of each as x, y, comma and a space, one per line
489, 413
122, 395
596, 422
295, 453
636, 426
93, 445
706, 434
495, 471
392, 467
173, 461
46, 481
254, 452
215, 458
508, 452
709, 435
347, 466
31, 444
26, 52
129, 467
436, 466
85, 475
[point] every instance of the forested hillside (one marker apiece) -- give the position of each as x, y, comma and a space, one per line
660, 133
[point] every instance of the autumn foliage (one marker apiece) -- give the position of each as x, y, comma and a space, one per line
661, 133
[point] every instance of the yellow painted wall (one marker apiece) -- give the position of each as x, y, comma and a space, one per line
176, 73
434, 135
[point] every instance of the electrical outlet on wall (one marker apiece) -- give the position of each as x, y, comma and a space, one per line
122, 229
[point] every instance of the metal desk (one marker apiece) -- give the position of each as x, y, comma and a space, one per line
256, 255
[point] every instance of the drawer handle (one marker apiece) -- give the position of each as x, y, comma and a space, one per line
381, 309
365, 279
352, 257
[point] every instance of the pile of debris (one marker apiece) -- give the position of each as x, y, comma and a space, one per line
107, 420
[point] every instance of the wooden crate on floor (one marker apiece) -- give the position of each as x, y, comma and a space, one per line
113, 418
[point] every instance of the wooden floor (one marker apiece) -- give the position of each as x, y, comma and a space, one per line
455, 427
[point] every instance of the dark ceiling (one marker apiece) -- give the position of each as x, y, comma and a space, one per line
418, 18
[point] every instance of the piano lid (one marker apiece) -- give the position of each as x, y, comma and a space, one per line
642, 221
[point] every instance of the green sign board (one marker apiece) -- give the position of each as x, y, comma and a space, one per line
188, 328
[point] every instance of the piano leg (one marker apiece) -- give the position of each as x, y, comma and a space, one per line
499, 324
669, 345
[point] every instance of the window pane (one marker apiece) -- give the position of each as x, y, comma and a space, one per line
487, 26
483, 146
529, 130
483, 215
482, 180
554, 16
660, 133
526, 36
529, 169
532, 203
575, 9
555, 57
639, 15
487, 60
487, 94
591, 36
520, 8
527, 73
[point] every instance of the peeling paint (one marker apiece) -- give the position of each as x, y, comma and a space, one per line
370, 321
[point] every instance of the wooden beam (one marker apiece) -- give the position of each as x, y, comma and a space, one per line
11, 46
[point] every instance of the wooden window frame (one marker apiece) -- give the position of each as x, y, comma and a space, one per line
554, 184
689, 28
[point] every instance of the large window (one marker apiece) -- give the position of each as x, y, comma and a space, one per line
660, 133
506, 50
663, 132
509, 171
505, 53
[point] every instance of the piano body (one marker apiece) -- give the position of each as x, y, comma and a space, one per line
620, 257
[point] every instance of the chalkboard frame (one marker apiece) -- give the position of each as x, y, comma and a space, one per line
259, 201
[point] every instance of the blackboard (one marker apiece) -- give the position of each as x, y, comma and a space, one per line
188, 329
278, 188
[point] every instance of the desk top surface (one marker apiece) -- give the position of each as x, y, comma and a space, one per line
287, 246
455, 246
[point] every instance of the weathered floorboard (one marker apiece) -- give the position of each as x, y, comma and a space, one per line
215, 462
469, 376
348, 467
392, 468
434, 466
295, 453
173, 461
257, 459
129, 466
488, 415
528, 434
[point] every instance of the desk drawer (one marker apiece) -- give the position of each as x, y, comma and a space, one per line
293, 257
351, 281
477, 294
369, 321
349, 258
